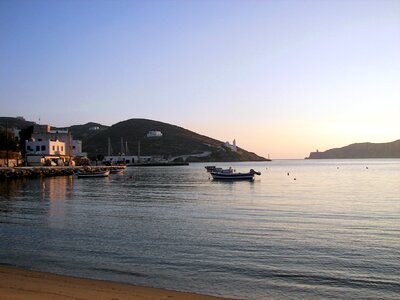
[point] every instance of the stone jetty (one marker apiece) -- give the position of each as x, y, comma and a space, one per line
20, 172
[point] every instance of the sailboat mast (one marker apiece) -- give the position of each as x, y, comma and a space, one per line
138, 151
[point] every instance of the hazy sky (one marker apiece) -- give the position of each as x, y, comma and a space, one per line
282, 77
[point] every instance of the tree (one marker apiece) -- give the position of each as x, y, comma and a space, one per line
24, 135
8, 140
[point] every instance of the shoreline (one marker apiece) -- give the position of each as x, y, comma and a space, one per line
48, 171
23, 284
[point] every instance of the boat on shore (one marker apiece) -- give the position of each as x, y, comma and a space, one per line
91, 174
230, 174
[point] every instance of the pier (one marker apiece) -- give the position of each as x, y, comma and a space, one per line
44, 171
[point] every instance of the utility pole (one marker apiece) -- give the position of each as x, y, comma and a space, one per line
122, 146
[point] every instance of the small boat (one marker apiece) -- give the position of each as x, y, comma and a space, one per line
116, 171
229, 174
89, 174
212, 169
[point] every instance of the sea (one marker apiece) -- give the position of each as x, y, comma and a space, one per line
314, 229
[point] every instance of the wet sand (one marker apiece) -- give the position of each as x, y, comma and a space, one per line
21, 284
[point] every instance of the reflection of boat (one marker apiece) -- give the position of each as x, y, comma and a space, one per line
230, 174
87, 174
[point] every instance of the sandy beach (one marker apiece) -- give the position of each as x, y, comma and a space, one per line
21, 284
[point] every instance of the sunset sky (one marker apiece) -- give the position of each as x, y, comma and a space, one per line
281, 77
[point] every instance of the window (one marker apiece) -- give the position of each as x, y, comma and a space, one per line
62, 148
54, 148
30, 148
43, 148
37, 148
58, 148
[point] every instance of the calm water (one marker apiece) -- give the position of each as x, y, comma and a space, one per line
329, 229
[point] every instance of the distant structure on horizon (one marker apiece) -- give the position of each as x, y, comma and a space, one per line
231, 146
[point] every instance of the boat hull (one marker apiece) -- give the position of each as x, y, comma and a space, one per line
94, 174
232, 176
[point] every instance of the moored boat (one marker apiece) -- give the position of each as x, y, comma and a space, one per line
230, 174
90, 174
116, 171
212, 169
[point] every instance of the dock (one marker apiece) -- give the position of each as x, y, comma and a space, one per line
48, 171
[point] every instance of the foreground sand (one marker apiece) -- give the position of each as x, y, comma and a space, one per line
23, 284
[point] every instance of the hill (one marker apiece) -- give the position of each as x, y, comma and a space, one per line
361, 150
86, 131
176, 141
19, 122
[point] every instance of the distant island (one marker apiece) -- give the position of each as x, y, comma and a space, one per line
150, 138
360, 150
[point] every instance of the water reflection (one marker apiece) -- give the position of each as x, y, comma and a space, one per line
328, 233
55, 188
55, 191
9, 188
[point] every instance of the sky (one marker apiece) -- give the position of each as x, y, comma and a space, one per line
283, 78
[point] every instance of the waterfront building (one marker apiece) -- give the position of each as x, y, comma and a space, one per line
129, 159
77, 149
40, 152
48, 146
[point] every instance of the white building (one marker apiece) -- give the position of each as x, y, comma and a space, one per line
231, 146
130, 159
154, 134
51, 146
48, 147
77, 148
43, 133
38, 152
